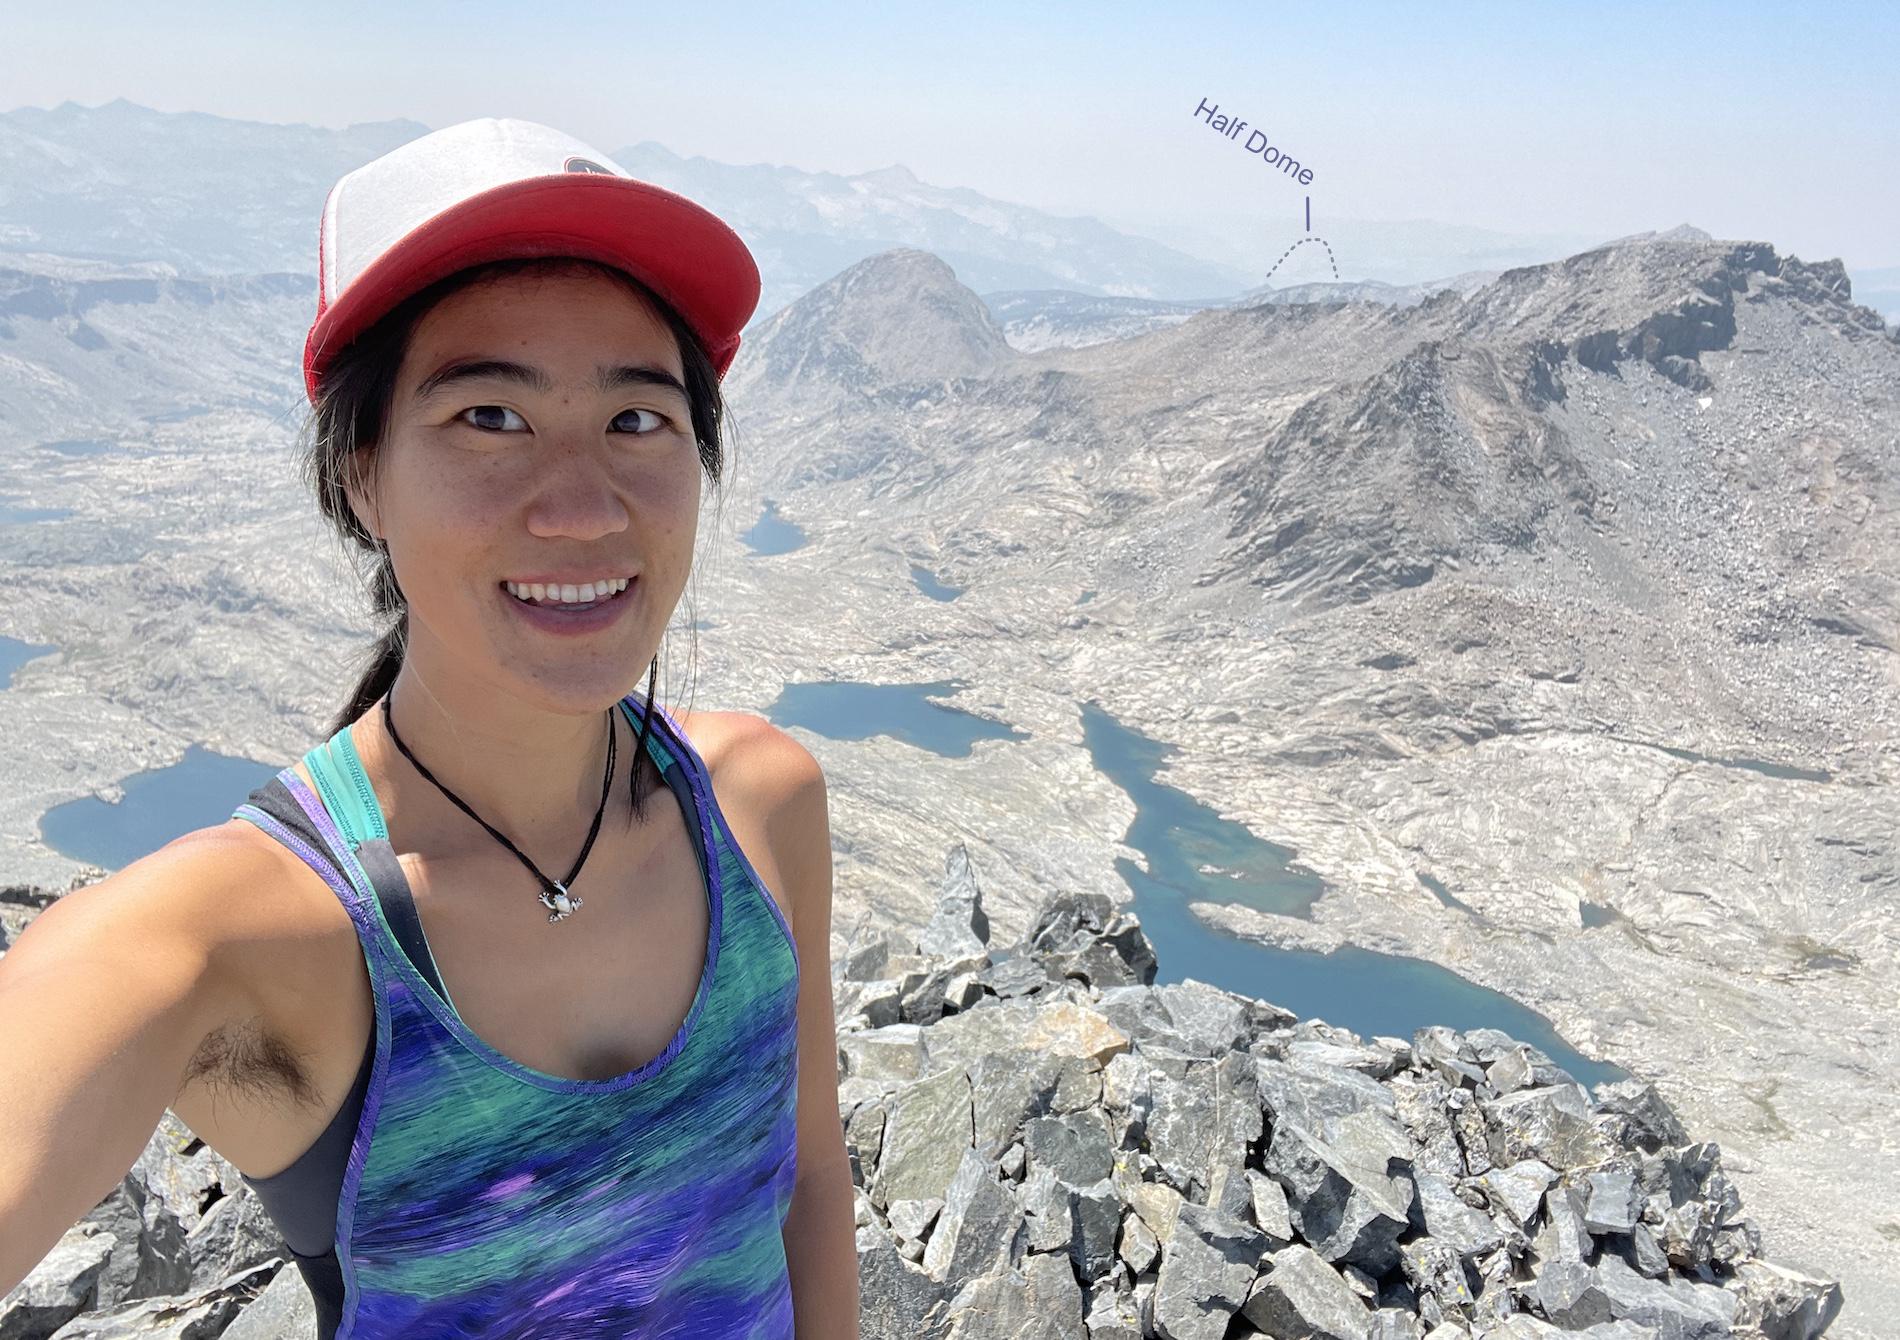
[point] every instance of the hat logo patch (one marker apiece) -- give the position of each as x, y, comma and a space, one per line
585, 165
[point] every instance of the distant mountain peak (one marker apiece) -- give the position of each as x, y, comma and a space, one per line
899, 316
1682, 232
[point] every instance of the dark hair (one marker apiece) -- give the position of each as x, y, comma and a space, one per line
352, 408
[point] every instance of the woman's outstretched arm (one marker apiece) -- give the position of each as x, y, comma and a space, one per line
188, 980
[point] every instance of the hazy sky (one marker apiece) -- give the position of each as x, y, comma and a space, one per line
1772, 121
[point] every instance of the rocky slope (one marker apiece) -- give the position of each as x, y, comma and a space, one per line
1578, 595
1047, 1145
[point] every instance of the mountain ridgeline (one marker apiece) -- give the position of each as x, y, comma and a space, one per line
1553, 624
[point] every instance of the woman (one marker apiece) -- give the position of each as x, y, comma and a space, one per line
496, 997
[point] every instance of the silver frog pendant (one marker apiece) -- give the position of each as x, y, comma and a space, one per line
560, 903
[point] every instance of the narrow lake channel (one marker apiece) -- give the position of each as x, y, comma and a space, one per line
1195, 855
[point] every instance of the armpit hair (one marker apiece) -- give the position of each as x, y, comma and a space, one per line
248, 1061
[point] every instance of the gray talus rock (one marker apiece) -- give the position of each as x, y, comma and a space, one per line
1316, 1097
1207, 1270
1097, 1212
1562, 1236
1449, 1220
64, 1284
1677, 1309
1300, 1295
235, 1235
201, 1315
1419, 1102
911, 1219
1114, 1316
1648, 1122
977, 1227
1606, 1197
959, 929
1391, 1323
1519, 1189
1446, 1051
896, 1300
1554, 1125
929, 1128
1201, 1117
1139, 1249
1189, 1017
1782, 1303
1436, 1268
152, 1256
1039, 1302
183, 1172
879, 1002
1009, 1088
1575, 1296
1694, 1199
1270, 1209
1045, 1202
1059, 1028
1343, 1202
285, 1311
1074, 1148
894, 1052
1566, 1292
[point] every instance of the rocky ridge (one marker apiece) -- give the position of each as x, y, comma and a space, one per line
1574, 597
1046, 1144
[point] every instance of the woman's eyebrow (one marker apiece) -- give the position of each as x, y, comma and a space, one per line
484, 369
612, 379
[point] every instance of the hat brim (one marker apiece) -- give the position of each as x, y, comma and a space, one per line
681, 251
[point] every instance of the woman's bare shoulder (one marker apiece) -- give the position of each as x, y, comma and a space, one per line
772, 792
749, 753
226, 901
230, 880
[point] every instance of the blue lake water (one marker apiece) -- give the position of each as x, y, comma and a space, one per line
198, 791
1443, 894
12, 514
14, 654
927, 583
1194, 855
773, 534
1782, 772
77, 447
902, 711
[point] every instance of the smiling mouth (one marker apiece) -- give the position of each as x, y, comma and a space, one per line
568, 595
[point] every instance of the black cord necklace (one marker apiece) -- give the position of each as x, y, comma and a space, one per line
554, 893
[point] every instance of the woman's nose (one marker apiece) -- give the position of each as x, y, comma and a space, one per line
573, 495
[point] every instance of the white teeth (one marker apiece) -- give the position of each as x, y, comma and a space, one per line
586, 593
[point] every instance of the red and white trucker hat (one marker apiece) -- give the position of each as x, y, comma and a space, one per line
511, 190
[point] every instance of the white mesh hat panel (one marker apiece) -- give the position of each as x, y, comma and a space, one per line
374, 207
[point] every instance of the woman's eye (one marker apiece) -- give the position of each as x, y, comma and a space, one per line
495, 419
637, 421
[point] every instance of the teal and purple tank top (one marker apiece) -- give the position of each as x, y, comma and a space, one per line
472, 1196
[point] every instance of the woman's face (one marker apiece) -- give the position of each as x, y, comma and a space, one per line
538, 487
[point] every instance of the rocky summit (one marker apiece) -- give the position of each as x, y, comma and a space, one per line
1047, 1144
